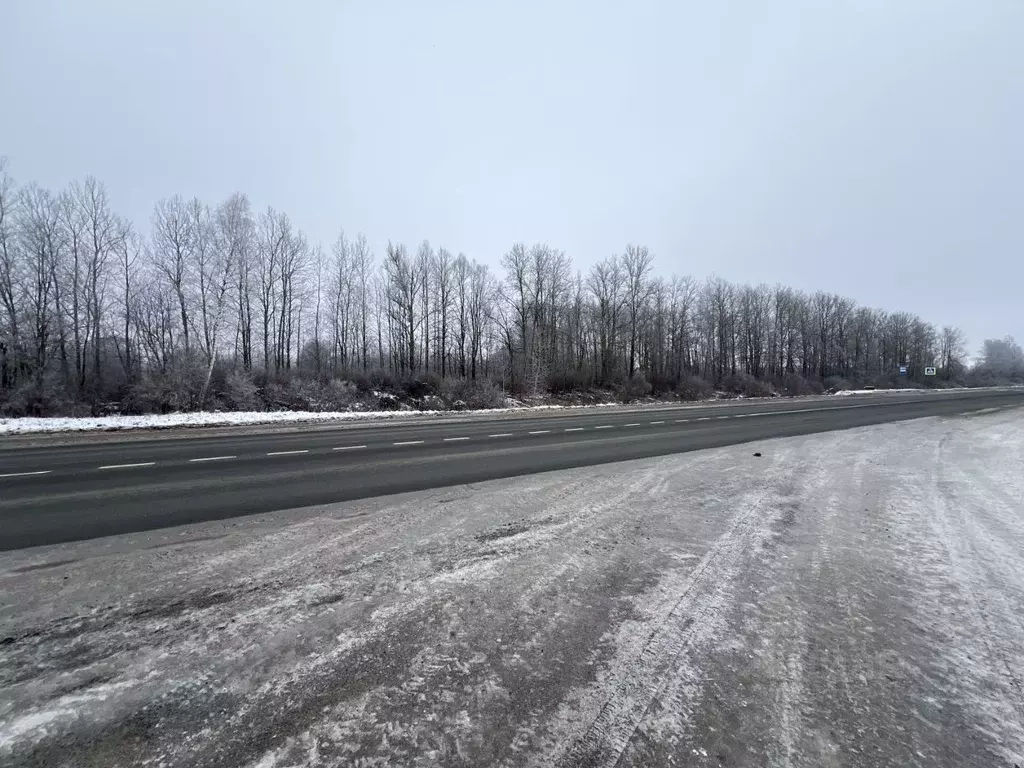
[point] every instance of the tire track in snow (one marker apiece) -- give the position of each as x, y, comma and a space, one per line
980, 565
691, 622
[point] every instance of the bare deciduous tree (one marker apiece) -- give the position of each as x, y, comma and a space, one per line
90, 309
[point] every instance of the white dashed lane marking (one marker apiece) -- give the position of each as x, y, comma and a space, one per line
202, 459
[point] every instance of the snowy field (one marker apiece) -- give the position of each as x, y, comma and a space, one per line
49, 425
848, 599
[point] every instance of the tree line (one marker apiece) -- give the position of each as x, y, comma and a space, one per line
217, 305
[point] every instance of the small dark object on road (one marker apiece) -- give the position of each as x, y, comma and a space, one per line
758, 455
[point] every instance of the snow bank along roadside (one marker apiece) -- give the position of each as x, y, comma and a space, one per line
812, 598
31, 425
49, 425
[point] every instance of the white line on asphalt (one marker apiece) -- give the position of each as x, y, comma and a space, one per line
723, 417
704, 418
541, 432
657, 422
213, 458
129, 466
502, 434
634, 424
409, 442
348, 447
455, 439
28, 474
682, 421
604, 426
286, 453
574, 429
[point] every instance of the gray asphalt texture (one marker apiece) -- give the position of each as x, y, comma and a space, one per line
89, 490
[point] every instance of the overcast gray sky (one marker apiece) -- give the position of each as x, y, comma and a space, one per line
871, 147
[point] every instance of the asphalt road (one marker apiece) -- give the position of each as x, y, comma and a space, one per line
58, 494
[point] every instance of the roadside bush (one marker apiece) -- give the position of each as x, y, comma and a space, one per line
304, 394
836, 384
471, 394
693, 388
568, 382
382, 380
745, 385
794, 385
420, 386
895, 381
285, 391
662, 384
340, 395
240, 392
634, 388
360, 380
50, 400
20, 402
157, 395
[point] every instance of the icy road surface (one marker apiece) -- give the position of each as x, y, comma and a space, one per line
847, 599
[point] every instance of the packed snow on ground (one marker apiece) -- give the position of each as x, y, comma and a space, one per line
32, 425
850, 598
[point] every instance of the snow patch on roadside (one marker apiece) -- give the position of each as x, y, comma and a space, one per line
32, 425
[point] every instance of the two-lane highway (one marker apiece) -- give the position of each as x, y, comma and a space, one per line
51, 494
